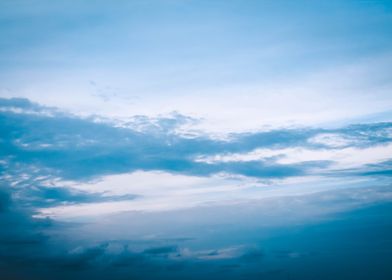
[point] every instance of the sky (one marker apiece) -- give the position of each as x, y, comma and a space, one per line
181, 139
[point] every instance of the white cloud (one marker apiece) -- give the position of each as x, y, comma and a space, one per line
160, 191
156, 191
333, 140
350, 157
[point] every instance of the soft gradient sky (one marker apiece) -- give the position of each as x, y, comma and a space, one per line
238, 64
185, 139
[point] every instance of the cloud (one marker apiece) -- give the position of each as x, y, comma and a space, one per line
43, 147
53, 196
28, 252
383, 169
54, 161
161, 250
81, 148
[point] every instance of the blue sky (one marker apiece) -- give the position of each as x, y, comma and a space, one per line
258, 60
195, 139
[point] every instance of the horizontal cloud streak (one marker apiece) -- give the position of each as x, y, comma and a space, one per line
82, 148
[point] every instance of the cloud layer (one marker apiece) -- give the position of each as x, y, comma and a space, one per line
55, 162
